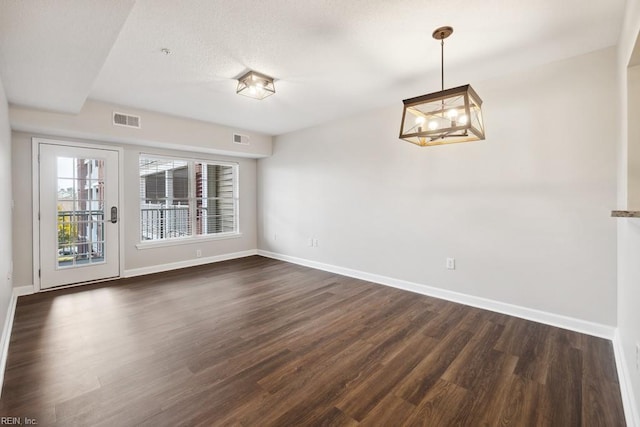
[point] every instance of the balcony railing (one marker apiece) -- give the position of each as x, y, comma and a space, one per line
169, 221
80, 237
164, 221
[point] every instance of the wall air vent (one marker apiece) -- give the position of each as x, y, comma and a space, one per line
121, 119
240, 139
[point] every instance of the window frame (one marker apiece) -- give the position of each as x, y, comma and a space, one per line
193, 237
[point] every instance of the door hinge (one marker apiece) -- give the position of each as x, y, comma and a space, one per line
38, 216
39, 273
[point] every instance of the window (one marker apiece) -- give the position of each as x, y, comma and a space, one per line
184, 198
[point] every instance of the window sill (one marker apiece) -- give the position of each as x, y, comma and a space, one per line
185, 240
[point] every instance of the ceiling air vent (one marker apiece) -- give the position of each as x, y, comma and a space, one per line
121, 119
240, 139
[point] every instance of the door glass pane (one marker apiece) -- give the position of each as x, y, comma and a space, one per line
80, 210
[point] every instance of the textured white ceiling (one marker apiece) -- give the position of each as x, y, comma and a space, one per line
330, 58
52, 51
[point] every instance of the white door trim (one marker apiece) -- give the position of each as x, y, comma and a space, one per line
35, 193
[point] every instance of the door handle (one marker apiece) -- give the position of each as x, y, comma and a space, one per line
114, 214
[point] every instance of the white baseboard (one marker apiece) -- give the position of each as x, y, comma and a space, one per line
19, 291
624, 378
8, 326
565, 322
187, 263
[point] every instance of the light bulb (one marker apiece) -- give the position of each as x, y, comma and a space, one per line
433, 125
420, 120
463, 119
452, 113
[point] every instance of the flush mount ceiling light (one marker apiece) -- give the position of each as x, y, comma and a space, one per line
255, 85
445, 117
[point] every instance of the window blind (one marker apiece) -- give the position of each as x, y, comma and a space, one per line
182, 198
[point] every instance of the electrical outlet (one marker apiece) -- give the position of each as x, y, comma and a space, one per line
315, 243
198, 253
451, 263
311, 242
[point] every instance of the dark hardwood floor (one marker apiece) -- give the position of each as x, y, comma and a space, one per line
259, 342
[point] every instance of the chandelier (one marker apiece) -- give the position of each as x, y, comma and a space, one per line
255, 85
444, 117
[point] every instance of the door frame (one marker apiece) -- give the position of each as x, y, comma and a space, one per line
35, 193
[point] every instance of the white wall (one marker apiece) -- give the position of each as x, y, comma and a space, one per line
525, 213
6, 253
628, 198
191, 135
95, 122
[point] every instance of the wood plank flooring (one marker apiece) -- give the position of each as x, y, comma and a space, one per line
260, 342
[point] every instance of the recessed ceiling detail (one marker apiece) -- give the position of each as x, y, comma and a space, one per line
51, 52
332, 58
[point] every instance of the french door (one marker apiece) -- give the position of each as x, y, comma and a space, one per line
78, 214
